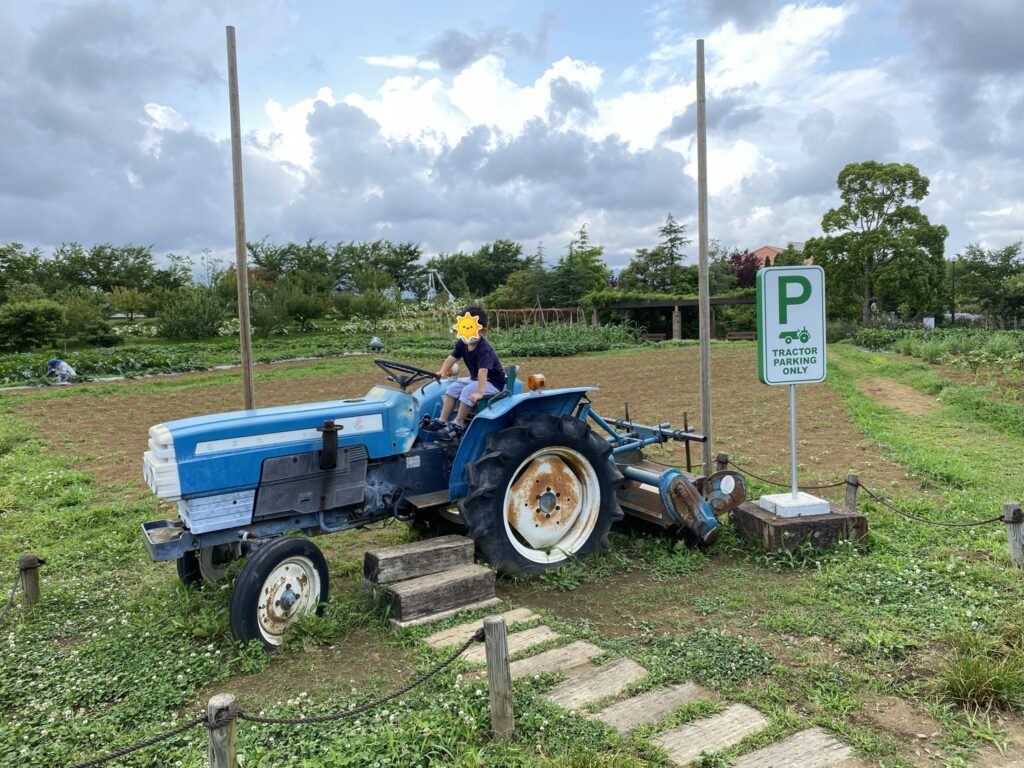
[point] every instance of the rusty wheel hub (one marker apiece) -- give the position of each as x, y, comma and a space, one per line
290, 590
552, 504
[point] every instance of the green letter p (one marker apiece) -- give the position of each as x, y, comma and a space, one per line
786, 300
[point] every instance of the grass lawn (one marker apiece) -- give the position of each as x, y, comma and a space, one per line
910, 648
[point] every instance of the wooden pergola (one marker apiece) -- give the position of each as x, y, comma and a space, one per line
676, 306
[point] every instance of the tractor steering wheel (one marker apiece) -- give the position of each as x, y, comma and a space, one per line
394, 370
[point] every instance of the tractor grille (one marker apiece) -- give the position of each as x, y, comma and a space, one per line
296, 484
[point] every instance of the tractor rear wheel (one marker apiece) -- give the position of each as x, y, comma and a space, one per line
279, 582
188, 570
209, 565
543, 492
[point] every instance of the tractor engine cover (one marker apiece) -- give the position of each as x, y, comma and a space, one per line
290, 484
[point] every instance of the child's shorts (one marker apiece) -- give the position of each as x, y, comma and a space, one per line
462, 388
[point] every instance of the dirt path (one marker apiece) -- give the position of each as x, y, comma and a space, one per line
895, 395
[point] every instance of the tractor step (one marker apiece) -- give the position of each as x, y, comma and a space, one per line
429, 598
419, 558
430, 500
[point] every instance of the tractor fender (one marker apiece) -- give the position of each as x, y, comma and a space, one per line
502, 413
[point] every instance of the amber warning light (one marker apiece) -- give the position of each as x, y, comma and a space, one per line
535, 382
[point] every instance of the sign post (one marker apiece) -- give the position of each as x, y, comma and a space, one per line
791, 350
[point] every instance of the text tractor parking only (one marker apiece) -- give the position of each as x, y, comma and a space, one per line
791, 325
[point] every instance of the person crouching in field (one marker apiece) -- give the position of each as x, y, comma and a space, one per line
61, 370
486, 377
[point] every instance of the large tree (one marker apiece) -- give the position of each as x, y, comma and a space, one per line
579, 272
660, 269
878, 243
989, 279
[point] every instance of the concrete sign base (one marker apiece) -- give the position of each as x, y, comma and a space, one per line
784, 505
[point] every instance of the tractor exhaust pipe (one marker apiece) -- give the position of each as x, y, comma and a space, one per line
329, 453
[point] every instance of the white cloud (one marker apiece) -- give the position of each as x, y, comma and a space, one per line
161, 118
399, 61
287, 140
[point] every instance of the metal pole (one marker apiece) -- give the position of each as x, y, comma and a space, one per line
702, 244
792, 437
241, 265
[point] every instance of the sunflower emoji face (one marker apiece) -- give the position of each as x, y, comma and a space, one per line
468, 327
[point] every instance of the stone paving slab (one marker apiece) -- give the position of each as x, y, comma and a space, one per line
460, 634
609, 680
651, 707
729, 727
813, 748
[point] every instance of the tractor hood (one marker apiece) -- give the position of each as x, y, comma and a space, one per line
223, 453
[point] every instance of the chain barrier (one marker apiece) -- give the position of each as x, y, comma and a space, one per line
971, 524
10, 596
746, 471
240, 714
888, 505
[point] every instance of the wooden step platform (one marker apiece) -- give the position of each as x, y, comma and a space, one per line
517, 642
813, 748
726, 729
419, 558
439, 595
651, 707
460, 634
609, 680
570, 659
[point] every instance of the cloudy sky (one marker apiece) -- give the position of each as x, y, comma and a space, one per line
459, 122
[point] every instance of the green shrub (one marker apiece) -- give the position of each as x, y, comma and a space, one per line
195, 313
30, 324
267, 316
302, 306
982, 678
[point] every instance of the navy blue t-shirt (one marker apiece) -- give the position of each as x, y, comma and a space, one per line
481, 356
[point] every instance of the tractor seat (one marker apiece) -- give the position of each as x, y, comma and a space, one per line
511, 372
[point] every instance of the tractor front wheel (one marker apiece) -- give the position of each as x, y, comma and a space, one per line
543, 492
279, 582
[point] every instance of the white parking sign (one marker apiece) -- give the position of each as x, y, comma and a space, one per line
791, 325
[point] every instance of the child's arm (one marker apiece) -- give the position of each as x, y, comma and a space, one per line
446, 366
481, 385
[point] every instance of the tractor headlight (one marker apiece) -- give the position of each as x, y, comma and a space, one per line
535, 381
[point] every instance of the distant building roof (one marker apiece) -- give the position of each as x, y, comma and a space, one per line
766, 254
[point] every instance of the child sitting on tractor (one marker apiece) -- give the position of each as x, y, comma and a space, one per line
486, 377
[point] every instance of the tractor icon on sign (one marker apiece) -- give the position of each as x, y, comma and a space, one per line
790, 336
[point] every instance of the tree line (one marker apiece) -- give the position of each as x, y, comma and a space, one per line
880, 252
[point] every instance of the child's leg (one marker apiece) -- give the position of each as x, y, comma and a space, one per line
452, 395
466, 405
447, 407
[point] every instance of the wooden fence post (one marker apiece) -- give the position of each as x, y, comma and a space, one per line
722, 462
499, 677
29, 567
852, 486
1014, 519
220, 749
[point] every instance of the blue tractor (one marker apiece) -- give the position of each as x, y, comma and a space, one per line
538, 477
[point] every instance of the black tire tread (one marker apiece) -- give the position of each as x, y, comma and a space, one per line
246, 594
505, 450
